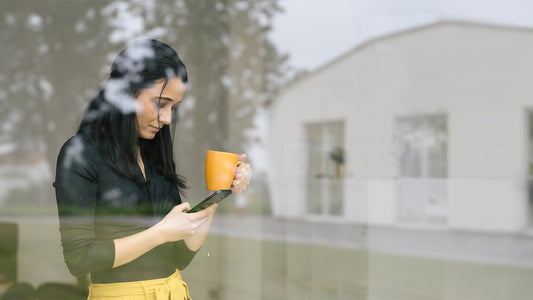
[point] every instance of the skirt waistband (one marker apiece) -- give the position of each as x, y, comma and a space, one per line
172, 287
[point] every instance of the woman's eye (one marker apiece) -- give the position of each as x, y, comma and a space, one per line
158, 105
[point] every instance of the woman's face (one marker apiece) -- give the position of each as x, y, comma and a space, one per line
153, 112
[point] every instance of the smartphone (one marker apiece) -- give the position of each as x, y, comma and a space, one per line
216, 197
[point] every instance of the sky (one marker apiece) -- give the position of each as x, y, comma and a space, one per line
314, 32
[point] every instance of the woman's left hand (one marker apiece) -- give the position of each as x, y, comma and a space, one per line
243, 173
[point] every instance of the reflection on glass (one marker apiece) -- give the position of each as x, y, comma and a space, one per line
473, 158
422, 142
326, 168
530, 168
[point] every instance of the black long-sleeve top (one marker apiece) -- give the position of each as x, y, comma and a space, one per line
97, 205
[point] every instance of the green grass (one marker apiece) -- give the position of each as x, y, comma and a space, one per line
234, 268
231, 268
240, 268
28, 210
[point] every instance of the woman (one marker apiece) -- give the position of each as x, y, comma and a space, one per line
120, 166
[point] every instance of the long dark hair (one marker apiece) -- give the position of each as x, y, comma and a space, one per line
110, 119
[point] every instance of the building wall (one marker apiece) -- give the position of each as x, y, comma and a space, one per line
478, 76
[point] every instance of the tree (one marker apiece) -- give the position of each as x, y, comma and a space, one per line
51, 55
234, 70
56, 54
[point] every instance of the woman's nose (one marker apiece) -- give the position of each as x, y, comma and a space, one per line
165, 116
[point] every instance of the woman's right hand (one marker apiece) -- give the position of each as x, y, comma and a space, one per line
178, 225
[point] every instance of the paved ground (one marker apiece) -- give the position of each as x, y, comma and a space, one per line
492, 248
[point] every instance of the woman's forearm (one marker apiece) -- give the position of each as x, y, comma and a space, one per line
131, 247
176, 225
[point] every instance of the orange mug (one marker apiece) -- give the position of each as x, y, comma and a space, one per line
220, 169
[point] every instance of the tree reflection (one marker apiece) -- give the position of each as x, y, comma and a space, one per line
55, 55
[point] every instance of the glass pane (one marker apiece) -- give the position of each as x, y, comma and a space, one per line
336, 198
410, 148
530, 171
336, 167
326, 168
316, 168
335, 149
423, 146
422, 192
437, 135
412, 200
314, 204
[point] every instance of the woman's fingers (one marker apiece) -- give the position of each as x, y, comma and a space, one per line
185, 206
211, 210
243, 173
179, 224
203, 218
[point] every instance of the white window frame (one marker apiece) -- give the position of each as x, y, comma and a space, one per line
326, 182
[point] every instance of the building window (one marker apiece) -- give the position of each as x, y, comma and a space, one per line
423, 168
326, 168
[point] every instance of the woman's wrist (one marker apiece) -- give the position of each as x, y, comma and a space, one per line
159, 233
194, 243
131, 247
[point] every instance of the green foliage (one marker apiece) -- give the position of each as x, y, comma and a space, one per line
56, 53
337, 155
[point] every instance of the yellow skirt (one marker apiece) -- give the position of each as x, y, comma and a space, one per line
172, 287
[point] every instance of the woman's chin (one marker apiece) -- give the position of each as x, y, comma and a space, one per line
147, 135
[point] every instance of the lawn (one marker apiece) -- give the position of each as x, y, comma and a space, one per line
236, 268
244, 268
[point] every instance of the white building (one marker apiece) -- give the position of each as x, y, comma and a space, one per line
428, 128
